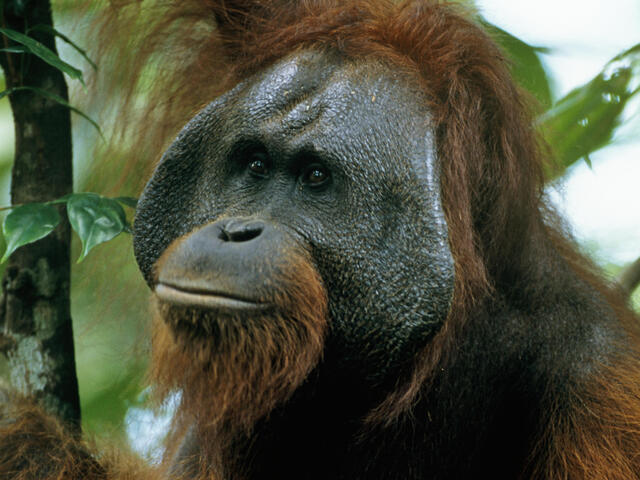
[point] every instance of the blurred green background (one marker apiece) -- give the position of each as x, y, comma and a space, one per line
588, 111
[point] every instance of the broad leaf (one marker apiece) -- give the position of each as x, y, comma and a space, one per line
526, 67
39, 50
586, 118
28, 223
96, 219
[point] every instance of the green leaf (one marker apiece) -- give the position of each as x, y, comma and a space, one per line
96, 219
586, 118
28, 223
526, 67
49, 29
39, 50
55, 98
14, 49
128, 201
62, 199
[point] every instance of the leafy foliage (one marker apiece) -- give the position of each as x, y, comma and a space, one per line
28, 223
95, 219
526, 67
29, 45
26, 44
586, 118
52, 31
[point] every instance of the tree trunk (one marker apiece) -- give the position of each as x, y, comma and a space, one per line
35, 318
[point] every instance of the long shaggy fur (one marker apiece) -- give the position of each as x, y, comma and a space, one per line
232, 371
36, 446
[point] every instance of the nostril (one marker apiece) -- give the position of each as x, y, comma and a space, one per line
235, 231
245, 235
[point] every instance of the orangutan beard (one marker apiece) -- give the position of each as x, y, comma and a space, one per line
232, 370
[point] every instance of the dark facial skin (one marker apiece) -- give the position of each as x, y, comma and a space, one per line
331, 156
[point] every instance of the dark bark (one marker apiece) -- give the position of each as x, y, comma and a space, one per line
35, 318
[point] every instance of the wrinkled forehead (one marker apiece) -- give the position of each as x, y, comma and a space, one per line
309, 84
328, 102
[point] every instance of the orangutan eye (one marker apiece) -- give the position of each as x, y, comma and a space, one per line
315, 176
258, 164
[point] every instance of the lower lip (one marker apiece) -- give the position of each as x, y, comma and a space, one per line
210, 301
